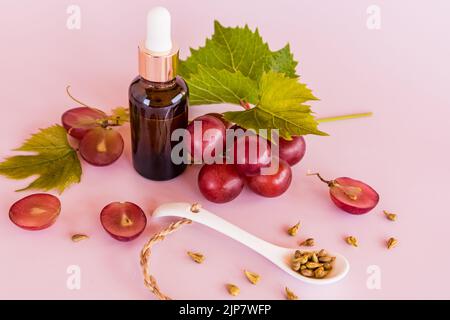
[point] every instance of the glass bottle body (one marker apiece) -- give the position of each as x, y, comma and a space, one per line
156, 110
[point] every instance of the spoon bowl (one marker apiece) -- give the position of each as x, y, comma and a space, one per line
279, 256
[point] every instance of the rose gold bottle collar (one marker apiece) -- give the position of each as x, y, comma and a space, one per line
158, 66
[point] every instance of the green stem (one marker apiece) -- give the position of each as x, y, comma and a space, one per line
345, 117
75, 99
245, 104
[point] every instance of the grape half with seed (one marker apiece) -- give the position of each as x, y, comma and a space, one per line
350, 195
78, 121
124, 221
35, 212
101, 146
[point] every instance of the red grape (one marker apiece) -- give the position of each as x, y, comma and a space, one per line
292, 151
124, 221
35, 212
79, 121
272, 185
220, 183
232, 134
101, 147
352, 196
220, 116
236, 126
201, 142
251, 153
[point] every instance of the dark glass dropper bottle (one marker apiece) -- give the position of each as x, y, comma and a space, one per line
158, 102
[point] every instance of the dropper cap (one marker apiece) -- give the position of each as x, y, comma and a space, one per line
159, 37
158, 56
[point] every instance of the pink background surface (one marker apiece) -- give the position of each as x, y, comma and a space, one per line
400, 72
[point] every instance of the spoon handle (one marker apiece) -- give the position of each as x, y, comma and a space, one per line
183, 210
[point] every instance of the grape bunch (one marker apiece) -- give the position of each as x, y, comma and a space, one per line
223, 182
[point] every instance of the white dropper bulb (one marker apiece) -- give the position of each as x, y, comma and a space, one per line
159, 37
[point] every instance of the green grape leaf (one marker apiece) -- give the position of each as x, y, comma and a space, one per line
232, 49
236, 65
283, 62
277, 89
209, 85
280, 107
53, 160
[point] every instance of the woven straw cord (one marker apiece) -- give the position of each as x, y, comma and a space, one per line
149, 280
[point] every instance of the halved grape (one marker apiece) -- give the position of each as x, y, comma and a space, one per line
292, 151
251, 153
201, 141
101, 147
272, 185
124, 221
78, 121
220, 183
353, 196
35, 212
350, 195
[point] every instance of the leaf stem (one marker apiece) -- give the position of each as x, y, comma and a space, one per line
320, 177
75, 99
244, 104
345, 117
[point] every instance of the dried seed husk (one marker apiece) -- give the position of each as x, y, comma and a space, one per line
252, 276
304, 259
319, 272
308, 242
391, 216
391, 243
196, 256
295, 265
325, 259
233, 289
327, 266
307, 273
307, 254
351, 240
79, 237
290, 295
292, 231
323, 274
195, 208
313, 265
322, 253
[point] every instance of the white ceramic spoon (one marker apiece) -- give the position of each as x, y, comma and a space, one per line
278, 255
